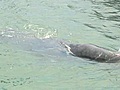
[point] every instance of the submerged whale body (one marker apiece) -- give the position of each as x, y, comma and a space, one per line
28, 42
93, 52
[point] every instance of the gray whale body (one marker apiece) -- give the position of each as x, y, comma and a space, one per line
93, 52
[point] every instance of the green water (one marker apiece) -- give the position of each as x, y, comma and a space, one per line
31, 57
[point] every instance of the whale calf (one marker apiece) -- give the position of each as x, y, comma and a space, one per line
93, 52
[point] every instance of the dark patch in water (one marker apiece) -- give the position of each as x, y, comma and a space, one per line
112, 37
16, 81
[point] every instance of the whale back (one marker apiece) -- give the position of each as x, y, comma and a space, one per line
94, 52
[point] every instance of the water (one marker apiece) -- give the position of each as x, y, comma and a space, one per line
31, 57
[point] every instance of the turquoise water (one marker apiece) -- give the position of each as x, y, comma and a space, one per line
31, 57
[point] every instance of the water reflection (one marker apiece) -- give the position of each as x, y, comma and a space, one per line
110, 11
112, 3
116, 5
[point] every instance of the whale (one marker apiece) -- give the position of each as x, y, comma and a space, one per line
93, 52
30, 43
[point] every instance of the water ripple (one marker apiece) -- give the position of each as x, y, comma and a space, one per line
112, 37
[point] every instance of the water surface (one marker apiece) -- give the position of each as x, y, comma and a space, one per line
32, 57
